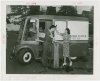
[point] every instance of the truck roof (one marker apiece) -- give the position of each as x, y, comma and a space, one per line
50, 17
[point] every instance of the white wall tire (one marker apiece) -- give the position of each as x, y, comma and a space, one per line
25, 56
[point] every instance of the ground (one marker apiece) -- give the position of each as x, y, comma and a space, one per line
35, 67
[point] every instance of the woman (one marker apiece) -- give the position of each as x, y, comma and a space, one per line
66, 42
47, 49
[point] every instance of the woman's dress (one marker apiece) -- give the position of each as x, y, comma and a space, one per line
66, 41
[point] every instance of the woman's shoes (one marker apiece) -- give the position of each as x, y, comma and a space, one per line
70, 64
68, 68
64, 64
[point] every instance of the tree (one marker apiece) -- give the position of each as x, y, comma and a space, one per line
25, 10
34, 10
67, 11
19, 9
89, 15
51, 10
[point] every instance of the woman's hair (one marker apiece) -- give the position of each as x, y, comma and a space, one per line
52, 26
68, 30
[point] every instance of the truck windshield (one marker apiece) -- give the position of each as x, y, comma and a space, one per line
30, 31
21, 29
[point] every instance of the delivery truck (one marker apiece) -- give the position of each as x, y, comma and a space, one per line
34, 27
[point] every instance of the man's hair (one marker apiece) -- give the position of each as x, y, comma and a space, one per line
52, 26
68, 30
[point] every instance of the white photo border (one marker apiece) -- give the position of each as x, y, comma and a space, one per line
96, 64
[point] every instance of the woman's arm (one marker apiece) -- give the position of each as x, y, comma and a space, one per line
59, 32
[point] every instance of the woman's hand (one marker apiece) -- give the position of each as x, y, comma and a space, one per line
59, 32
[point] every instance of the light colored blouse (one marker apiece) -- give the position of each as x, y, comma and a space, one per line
66, 37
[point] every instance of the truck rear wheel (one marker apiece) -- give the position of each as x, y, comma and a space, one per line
25, 56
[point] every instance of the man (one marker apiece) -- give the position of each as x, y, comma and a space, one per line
47, 48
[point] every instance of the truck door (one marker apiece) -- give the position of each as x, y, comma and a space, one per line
43, 27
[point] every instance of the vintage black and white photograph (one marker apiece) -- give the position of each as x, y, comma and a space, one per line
49, 39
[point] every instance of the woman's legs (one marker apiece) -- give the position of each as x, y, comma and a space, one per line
64, 54
65, 63
70, 64
67, 59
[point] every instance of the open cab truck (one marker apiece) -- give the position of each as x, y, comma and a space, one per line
32, 34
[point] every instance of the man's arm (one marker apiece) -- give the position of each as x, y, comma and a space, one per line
51, 35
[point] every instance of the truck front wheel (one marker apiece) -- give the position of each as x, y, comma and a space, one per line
25, 56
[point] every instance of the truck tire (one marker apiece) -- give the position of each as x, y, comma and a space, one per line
25, 56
